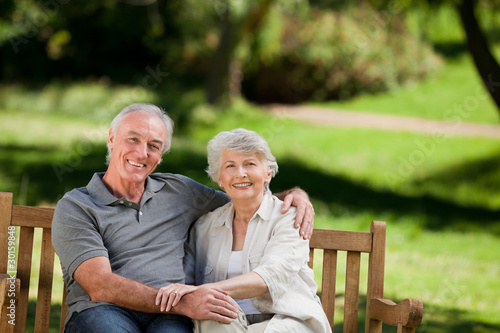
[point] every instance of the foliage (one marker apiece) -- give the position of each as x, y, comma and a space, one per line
467, 101
329, 54
300, 51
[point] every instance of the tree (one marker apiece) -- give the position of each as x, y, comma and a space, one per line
484, 60
234, 28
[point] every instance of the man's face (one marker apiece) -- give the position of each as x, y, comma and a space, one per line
137, 148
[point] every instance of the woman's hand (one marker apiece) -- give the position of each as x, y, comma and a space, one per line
170, 295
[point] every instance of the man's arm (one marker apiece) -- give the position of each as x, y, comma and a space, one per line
101, 284
305, 210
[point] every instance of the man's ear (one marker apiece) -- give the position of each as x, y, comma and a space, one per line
111, 138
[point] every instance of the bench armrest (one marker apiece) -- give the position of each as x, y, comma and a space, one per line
407, 313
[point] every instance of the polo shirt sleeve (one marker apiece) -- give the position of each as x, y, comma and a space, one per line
284, 256
205, 199
75, 237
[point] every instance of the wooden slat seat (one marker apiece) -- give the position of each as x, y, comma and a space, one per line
407, 315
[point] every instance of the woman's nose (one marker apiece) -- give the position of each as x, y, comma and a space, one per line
241, 172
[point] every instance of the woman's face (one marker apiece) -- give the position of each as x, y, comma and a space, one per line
243, 176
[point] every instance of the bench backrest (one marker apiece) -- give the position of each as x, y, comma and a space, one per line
353, 244
26, 219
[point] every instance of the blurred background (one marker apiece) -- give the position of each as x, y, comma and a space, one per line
429, 68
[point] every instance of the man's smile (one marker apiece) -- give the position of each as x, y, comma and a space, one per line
136, 164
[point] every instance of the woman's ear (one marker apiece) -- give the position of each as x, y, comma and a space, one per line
269, 176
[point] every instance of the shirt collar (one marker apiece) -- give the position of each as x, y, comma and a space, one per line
266, 208
99, 192
265, 212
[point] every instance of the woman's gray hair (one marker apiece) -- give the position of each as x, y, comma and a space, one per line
243, 141
148, 108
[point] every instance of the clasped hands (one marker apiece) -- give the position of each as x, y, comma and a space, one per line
199, 302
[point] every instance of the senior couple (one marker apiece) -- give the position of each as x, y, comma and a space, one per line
159, 252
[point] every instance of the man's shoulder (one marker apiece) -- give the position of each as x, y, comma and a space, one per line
79, 193
167, 177
173, 181
215, 217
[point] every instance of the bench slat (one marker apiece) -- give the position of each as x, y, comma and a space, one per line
45, 284
328, 283
38, 217
5, 217
23, 273
341, 240
352, 292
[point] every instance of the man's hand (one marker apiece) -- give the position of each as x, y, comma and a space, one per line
207, 302
305, 210
169, 296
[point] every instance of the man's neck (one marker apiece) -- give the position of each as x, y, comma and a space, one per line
122, 189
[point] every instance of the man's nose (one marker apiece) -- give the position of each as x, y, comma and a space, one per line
142, 150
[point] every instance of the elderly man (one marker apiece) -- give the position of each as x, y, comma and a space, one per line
121, 237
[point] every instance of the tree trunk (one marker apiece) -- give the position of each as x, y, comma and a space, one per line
486, 64
224, 76
218, 76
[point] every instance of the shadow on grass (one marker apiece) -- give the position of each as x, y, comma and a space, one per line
39, 175
335, 190
451, 50
43, 175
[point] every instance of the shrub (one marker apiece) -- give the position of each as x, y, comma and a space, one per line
334, 55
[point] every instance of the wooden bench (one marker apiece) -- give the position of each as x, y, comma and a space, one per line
14, 293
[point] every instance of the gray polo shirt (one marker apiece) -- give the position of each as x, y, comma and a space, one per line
143, 242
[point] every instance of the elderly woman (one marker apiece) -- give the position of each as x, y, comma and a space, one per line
248, 249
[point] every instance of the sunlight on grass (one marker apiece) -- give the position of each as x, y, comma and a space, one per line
48, 130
